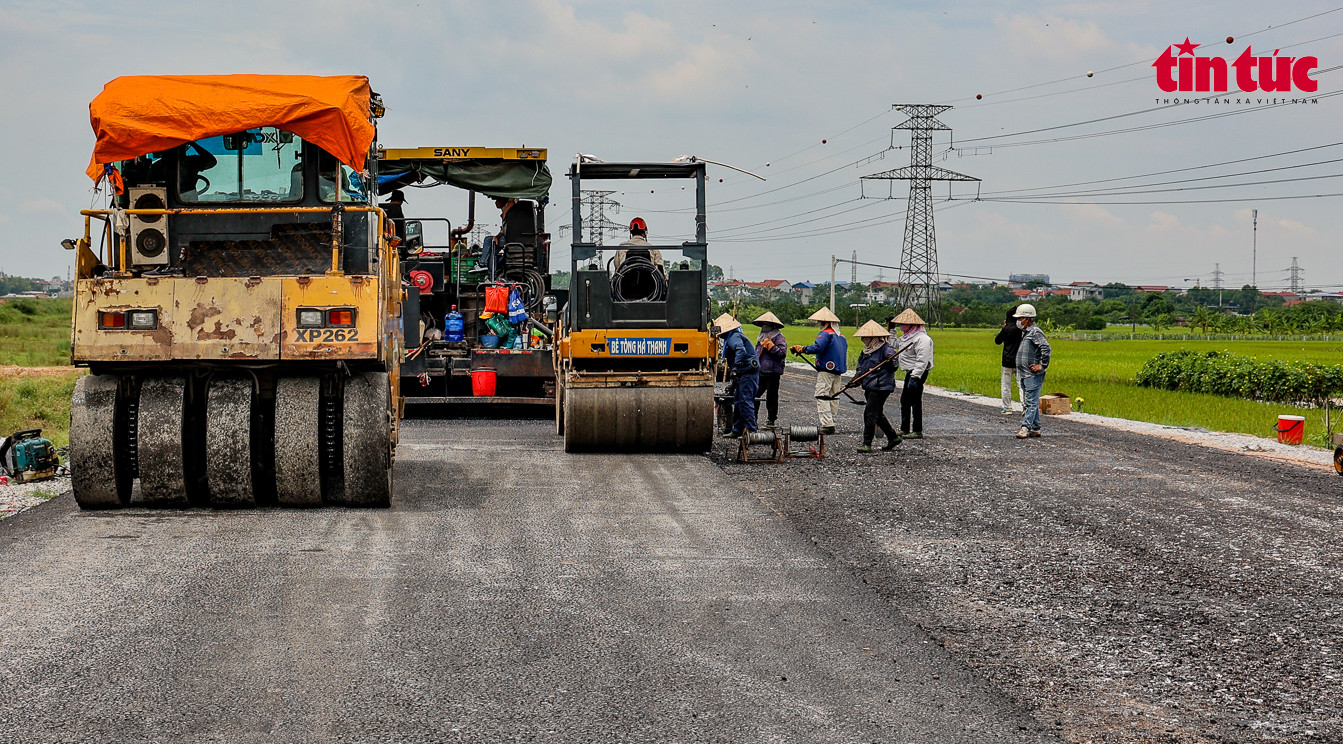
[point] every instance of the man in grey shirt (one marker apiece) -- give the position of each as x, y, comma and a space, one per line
1032, 361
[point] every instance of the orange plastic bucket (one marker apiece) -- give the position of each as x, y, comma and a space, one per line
1291, 429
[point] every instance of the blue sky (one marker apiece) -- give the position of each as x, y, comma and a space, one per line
758, 85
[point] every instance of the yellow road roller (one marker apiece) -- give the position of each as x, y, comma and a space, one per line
238, 306
634, 364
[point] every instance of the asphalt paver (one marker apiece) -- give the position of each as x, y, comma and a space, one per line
512, 593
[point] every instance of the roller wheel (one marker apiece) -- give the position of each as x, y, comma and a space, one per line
100, 478
648, 419
367, 440
298, 471
162, 458
228, 443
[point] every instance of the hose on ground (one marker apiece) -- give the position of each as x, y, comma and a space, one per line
638, 279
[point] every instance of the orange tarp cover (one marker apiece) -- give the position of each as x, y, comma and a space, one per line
141, 114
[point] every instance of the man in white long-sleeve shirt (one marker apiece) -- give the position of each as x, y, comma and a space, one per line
916, 359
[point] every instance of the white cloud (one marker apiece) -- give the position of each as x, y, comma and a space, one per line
42, 206
1163, 221
1093, 213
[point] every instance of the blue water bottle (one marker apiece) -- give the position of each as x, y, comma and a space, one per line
455, 326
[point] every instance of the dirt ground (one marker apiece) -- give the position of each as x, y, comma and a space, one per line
1124, 588
14, 370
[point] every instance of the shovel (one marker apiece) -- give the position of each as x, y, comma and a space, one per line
845, 391
854, 382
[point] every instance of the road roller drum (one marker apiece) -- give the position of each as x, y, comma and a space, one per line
640, 419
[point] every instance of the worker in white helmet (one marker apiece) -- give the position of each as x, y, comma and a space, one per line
1032, 361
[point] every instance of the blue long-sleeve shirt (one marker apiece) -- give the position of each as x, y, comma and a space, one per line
739, 353
831, 350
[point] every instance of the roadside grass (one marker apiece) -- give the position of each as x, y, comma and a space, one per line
35, 332
1101, 373
37, 401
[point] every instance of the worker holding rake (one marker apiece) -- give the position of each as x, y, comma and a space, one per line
832, 358
876, 373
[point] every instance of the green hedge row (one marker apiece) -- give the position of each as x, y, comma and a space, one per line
1222, 373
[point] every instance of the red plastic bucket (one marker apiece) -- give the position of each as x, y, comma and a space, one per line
1291, 429
483, 382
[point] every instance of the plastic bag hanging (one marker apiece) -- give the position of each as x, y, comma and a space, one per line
496, 299
517, 312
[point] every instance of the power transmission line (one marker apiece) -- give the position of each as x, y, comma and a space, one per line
918, 277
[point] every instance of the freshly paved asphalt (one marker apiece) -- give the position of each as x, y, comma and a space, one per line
512, 593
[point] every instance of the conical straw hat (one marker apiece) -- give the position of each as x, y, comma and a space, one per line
871, 329
824, 315
768, 317
908, 317
726, 323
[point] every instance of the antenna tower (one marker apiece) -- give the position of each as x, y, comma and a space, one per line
1217, 275
918, 278
853, 269
1296, 277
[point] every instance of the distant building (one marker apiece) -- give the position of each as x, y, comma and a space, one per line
768, 289
1085, 291
804, 290
882, 292
1151, 288
1019, 281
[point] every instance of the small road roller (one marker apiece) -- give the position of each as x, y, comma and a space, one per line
634, 365
239, 307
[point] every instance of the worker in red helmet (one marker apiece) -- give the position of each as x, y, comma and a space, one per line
638, 245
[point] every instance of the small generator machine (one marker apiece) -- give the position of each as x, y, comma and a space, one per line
27, 456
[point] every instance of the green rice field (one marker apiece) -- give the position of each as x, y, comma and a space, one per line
1101, 374
35, 332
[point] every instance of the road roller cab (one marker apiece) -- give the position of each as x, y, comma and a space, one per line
635, 360
238, 301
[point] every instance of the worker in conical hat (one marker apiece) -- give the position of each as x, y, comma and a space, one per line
771, 347
832, 359
916, 359
877, 362
824, 315
744, 367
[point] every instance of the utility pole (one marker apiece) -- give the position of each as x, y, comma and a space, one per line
1296, 277
918, 279
1254, 255
1254, 263
833, 261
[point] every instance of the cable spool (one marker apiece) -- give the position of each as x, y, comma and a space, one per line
760, 437
804, 433
638, 279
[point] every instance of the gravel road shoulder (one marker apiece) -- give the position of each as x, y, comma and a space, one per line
1123, 587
